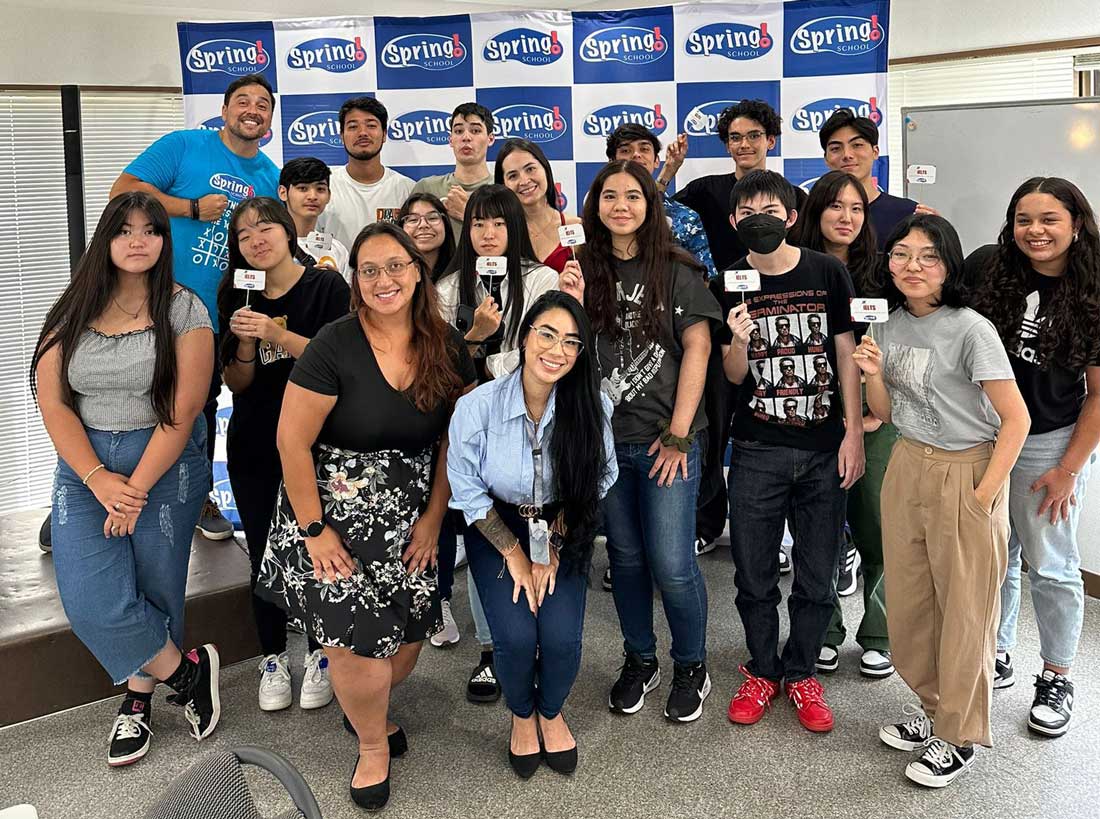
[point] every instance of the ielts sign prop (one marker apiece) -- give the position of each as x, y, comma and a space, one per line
564, 80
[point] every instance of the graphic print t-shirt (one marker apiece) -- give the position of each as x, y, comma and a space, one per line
933, 367
640, 376
791, 395
190, 165
1054, 395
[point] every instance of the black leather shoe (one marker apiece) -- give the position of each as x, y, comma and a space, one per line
372, 797
399, 743
525, 765
564, 762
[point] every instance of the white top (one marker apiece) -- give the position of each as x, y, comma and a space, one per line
354, 205
336, 258
537, 279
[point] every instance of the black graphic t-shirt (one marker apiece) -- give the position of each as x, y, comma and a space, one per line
641, 376
1054, 395
791, 395
318, 297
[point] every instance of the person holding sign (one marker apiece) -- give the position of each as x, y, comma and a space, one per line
939, 372
303, 188
120, 371
531, 454
787, 461
1040, 286
523, 168
268, 329
650, 306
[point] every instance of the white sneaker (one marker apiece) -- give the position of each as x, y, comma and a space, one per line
460, 551
876, 664
449, 635
275, 691
316, 685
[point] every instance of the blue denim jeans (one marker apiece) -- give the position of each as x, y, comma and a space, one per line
453, 525
536, 658
651, 539
1053, 559
766, 483
124, 596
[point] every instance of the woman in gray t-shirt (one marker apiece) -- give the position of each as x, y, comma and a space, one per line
121, 371
940, 374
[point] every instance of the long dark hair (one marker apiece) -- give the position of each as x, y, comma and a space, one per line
1073, 312
437, 380
577, 452
90, 292
447, 249
230, 298
517, 144
863, 257
657, 253
496, 202
945, 240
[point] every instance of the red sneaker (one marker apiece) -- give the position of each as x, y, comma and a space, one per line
809, 698
752, 699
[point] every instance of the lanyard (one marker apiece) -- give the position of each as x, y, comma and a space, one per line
537, 528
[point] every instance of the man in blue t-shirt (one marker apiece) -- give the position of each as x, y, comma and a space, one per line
200, 177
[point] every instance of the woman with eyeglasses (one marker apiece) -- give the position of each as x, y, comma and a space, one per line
362, 438
531, 455
424, 218
938, 371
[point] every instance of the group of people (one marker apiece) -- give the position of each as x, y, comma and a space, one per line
430, 365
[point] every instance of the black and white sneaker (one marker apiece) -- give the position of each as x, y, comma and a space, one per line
704, 546
1052, 707
1002, 672
483, 685
690, 687
911, 735
828, 659
940, 764
848, 580
784, 563
607, 579
876, 664
130, 735
203, 708
637, 677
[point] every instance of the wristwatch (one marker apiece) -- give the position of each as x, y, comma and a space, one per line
312, 529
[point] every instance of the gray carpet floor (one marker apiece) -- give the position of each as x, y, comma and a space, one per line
629, 766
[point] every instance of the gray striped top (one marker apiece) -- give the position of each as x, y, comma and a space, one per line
111, 376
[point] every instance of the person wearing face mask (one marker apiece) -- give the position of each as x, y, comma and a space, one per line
1040, 286
791, 464
523, 168
424, 218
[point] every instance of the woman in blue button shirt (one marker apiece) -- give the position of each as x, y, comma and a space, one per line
518, 472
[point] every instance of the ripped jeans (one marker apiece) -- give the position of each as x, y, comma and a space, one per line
124, 596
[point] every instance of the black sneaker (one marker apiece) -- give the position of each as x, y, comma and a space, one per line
607, 579
911, 735
483, 685
848, 580
1002, 673
45, 535
130, 735
637, 677
1052, 707
940, 764
784, 563
690, 687
704, 546
203, 708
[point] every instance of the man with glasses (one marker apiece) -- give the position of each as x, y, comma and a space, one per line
363, 191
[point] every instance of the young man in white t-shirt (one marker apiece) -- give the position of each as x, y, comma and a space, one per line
304, 189
363, 191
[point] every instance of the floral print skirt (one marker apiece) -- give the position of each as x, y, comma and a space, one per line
372, 500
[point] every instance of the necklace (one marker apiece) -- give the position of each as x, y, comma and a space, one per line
133, 315
531, 414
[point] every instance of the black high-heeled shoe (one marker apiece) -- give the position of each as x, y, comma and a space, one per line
371, 797
398, 741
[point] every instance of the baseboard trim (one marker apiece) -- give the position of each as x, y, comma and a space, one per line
1092, 583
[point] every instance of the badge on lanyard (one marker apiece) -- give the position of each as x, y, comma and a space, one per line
539, 531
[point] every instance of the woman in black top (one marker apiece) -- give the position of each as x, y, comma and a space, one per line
352, 549
265, 337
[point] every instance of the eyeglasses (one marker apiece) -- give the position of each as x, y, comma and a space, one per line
393, 269
903, 257
751, 136
547, 339
414, 219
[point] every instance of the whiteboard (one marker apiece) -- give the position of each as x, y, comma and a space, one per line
983, 152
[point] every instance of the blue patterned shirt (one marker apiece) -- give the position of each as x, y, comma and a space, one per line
687, 229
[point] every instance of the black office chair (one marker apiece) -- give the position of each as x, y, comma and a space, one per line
215, 788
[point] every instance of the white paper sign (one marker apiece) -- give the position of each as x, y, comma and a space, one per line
870, 311
571, 235
249, 279
492, 265
921, 174
742, 281
696, 121
317, 242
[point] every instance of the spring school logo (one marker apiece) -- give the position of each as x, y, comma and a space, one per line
561, 199
523, 45
227, 56
603, 121
845, 35
429, 127
734, 41
316, 128
332, 54
232, 186
811, 116
707, 125
217, 123
535, 123
630, 45
432, 52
